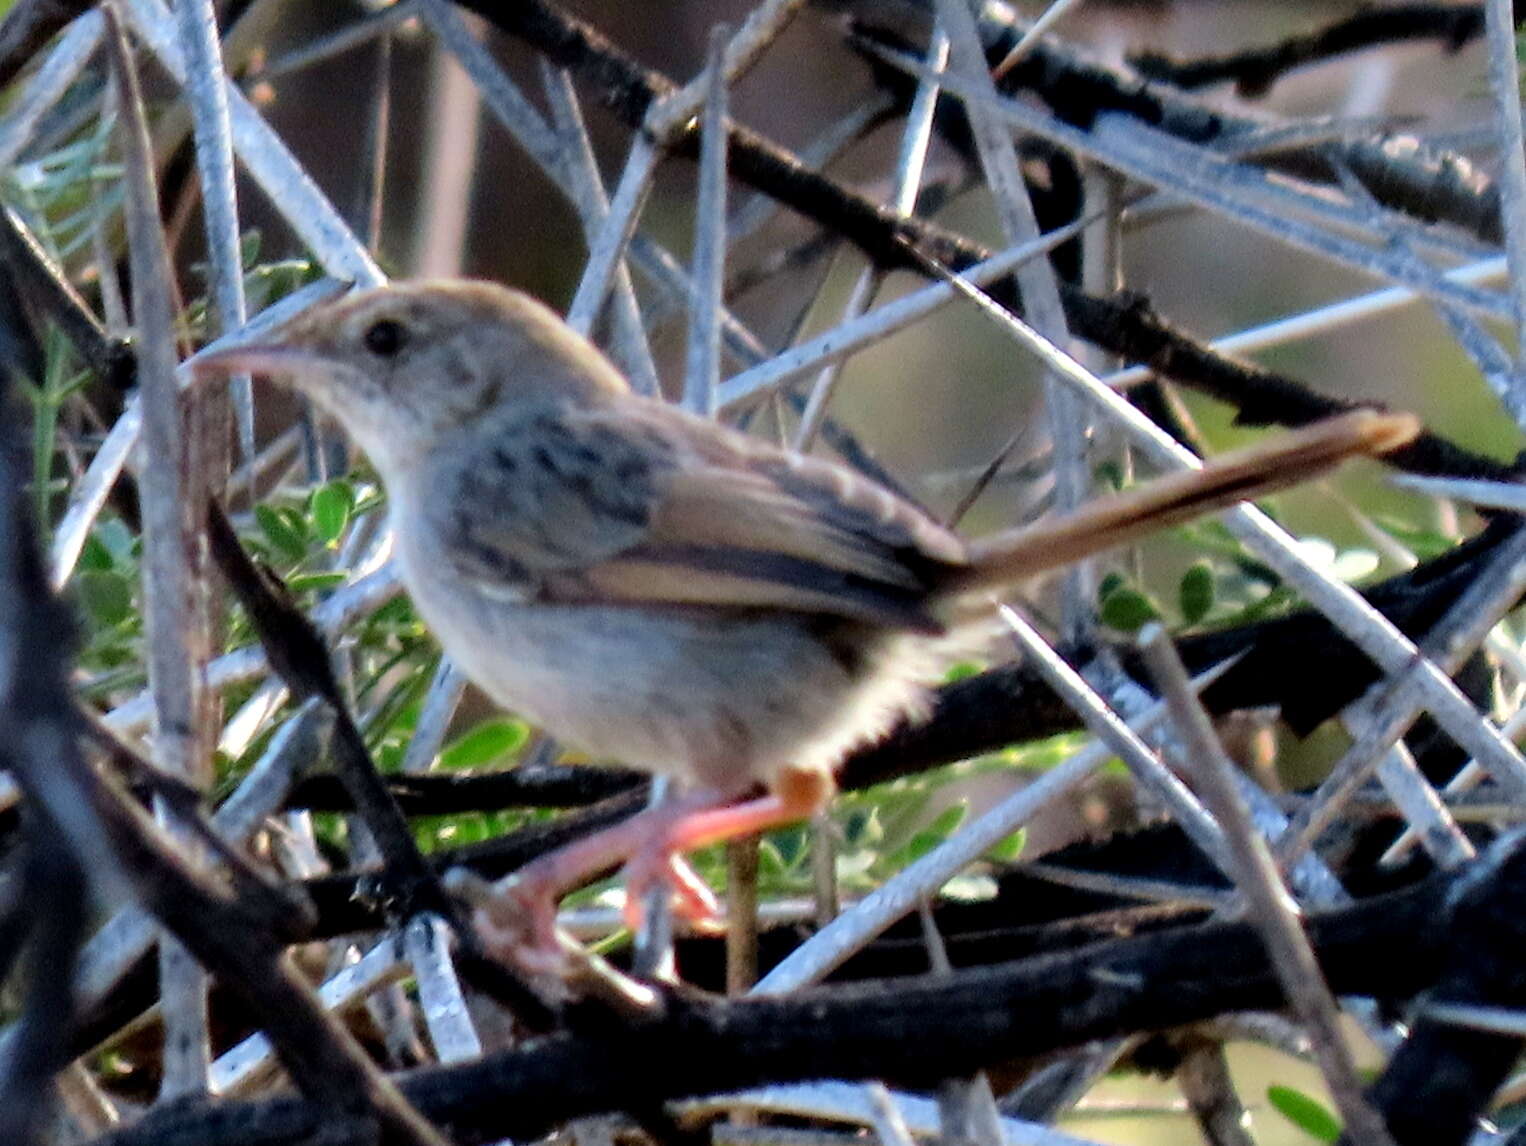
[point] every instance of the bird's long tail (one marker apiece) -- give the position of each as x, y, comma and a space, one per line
1240, 475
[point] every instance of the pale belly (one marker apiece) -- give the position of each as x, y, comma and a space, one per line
723, 699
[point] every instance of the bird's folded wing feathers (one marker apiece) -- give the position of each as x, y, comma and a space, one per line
603, 507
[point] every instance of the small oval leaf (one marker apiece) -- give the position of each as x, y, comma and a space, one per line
278, 531
1128, 610
331, 507
1196, 591
1009, 849
1306, 1113
105, 594
485, 743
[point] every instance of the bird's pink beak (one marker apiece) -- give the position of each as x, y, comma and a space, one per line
255, 358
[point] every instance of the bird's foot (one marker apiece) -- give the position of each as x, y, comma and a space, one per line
691, 897
797, 795
516, 919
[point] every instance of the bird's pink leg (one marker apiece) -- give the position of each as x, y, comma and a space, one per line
796, 796
522, 923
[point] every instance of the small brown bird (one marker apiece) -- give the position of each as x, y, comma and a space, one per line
662, 591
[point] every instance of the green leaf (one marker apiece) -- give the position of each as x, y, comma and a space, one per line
331, 506
1127, 610
94, 555
932, 835
1423, 543
1010, 848
962, 671
1195, 593
279, 532
489, 741
249, 249
299, 582
770, 862
1110, 584
398, 611
1304, 1112
105, 594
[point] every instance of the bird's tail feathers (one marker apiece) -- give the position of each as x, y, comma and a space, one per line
1241, 475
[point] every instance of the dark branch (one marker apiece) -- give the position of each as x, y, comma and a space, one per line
919, 1030
1255, 70
1441, 1077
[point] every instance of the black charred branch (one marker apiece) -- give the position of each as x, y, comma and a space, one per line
1253, 71
922, 1029
1443, 1075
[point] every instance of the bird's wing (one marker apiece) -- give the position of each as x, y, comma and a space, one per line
637, 504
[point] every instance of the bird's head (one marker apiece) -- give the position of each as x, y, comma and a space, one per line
403, 367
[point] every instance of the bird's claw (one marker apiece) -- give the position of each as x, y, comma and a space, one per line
692, 899
516, 920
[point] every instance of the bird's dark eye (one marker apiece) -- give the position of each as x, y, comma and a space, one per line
386, 338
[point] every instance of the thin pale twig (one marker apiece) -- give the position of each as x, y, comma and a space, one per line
175, 588
344, 606
702, 361
1505, 83
885, 1116
562, 150
880, 323
207, 93
435, 715
1509, 496
1321, 320
426, 942
663, 119
91, 491
585, 187
1244, 194
1392, 705
1468, 777
672, 114
1271, 909
46, 86
373, 25
1051, 16
606, 249
816, 155
1111, 729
